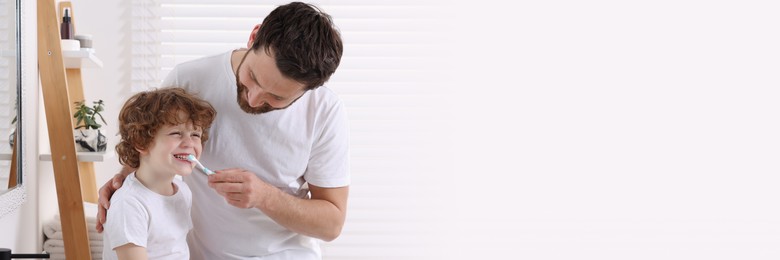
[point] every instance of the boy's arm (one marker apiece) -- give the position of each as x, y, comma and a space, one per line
131, 251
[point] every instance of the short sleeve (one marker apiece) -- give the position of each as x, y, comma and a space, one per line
127, 221
329, 162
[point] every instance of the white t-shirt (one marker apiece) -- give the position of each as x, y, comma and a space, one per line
304, 143
146, 218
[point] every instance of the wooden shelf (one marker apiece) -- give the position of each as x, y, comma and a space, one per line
81, 59
82, 156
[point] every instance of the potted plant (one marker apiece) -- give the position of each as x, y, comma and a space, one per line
87, 132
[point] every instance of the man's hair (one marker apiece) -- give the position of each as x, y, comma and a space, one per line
305, 43
146, 112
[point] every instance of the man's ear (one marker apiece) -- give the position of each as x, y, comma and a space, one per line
252, 36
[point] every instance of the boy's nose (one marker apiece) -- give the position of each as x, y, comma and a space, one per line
188, 141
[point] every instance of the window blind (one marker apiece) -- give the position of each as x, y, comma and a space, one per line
7, 83
383, 80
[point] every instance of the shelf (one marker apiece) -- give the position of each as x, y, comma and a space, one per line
81, 59
83, 156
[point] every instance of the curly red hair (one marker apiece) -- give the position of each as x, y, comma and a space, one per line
146, 112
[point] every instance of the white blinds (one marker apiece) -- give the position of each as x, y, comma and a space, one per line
7, 82
381, 79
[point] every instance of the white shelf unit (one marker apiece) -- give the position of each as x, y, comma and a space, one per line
80, 156
83, 156
82, 58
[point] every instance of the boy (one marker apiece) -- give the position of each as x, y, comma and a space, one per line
150, 217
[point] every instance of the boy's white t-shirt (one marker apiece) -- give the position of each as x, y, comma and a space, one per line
145, 218
305, 143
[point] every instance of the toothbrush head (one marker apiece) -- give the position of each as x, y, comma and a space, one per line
205, 170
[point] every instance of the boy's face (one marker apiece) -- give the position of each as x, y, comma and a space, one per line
170, 141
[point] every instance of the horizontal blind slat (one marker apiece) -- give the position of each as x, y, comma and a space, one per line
196, 49
371, 63
315, 2
262, 10
370, 24
238, 36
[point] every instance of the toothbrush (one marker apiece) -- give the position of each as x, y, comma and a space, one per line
205, 170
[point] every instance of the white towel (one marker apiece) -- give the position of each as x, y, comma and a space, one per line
54, 244
61, 256
53, 229
95, 245
91, 235
56, 248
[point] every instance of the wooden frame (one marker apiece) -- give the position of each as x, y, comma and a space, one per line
59, 87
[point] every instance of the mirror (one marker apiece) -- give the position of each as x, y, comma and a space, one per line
11, 189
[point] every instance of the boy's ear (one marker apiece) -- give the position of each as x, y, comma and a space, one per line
141, 151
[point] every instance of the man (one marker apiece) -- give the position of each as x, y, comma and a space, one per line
280, 140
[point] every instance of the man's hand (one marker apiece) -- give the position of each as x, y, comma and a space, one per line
320, 217
105, 193
239, 187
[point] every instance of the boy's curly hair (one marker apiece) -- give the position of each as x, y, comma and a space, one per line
146, 112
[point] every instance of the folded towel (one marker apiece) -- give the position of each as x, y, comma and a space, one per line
54, 226
54, 244
94, 245
61, 250
91, 235
56, 249
61, 256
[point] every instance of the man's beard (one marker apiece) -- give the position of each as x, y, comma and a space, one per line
244, 104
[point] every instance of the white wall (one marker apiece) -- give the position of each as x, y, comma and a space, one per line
20, 230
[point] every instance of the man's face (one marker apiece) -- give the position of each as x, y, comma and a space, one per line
262, 87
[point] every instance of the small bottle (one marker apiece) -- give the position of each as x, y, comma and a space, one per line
66, 28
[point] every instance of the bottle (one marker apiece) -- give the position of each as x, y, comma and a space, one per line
66, 28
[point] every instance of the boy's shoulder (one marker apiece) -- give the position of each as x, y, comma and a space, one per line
128, 192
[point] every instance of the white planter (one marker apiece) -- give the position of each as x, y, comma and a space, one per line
89, 140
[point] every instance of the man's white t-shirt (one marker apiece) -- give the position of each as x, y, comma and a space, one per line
305, 143
145, 218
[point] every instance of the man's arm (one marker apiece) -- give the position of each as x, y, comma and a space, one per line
131, 252
321, 217
105, 193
